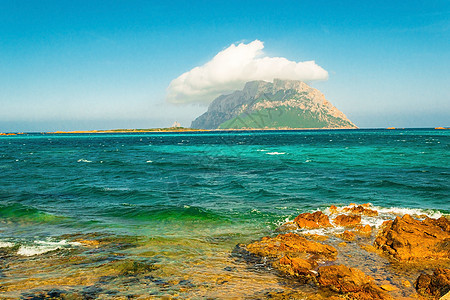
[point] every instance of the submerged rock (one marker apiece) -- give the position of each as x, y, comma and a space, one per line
436, 285
288, 226
311, 221
410, 240
351, 281
296, 267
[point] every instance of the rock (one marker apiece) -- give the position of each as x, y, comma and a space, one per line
342, 244
132, 268
288, 226
89, 243
410, 240
360, 210
292, 245
314, 220
316, 237
388, 287
445, 297
365, 230
347, 236
369, 248
436, 285
333, 209
277, 104
296, 267
347, 220
406, 283
352, 281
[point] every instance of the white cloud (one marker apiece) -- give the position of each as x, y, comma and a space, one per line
231, 68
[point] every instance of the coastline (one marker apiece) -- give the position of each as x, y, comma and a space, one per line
182, 129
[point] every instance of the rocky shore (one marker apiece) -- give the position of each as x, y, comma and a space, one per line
340, 254
346, 252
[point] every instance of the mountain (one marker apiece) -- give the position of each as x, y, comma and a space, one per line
282, 104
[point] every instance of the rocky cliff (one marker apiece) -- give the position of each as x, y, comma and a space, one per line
278, 105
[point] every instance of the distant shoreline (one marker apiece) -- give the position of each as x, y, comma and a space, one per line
182, 129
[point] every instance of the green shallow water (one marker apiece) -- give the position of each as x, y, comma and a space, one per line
189, 198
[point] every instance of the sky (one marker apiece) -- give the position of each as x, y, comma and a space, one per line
80, 65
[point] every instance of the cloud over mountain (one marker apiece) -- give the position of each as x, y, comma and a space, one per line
231, 68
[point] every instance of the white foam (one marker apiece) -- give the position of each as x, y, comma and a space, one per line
84, 160
6, 244
41, 247
149, 161
399, 211
385, 213
262, 150
276, 153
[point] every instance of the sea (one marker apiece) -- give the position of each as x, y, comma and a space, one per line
159, 214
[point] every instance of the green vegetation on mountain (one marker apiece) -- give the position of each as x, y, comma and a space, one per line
282, 104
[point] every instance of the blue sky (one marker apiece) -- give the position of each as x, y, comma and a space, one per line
72, 65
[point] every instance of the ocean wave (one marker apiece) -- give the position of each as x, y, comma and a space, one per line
162, 213
41, 247
276, 153
388, 213
84, 160
17, 212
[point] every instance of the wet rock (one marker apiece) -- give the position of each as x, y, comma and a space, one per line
292, 245
89, 243
333, 209
435, 285
350, 281
310, 221
406, 283
288, 226
347, 220
364, 230
388, 287
346, 235
296, 267
133, 268
410, 240
316, 237
361, 210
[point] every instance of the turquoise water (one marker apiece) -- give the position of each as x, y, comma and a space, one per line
184, 194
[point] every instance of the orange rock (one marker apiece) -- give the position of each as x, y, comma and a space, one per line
295, 266
342, 279
316, 237
333, 209
369, 248
411, 240
311, 221
92, 243
346, 235
365, 230
347, 220
406, 283
388, 287
360, 210
436, 285
292, 245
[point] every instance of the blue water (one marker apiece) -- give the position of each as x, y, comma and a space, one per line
210, 187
